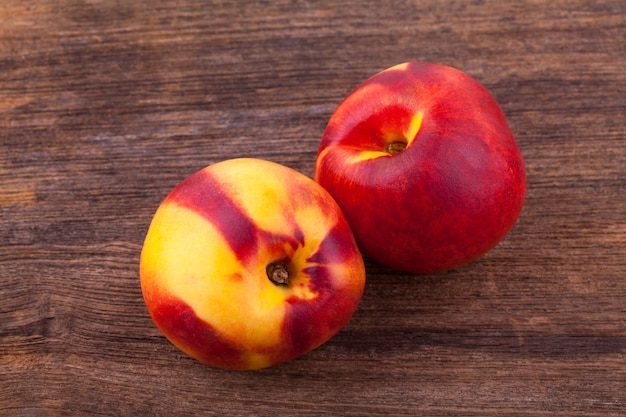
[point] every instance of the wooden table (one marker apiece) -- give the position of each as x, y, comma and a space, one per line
106, 105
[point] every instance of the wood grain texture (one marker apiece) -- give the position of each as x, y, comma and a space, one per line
106, 105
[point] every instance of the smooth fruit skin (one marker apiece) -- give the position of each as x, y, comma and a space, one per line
451, 195
203, 265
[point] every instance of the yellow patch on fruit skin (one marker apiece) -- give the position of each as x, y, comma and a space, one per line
414, 127
356, 158
399, 67
262, 196
350, 156
195, 264
256, 360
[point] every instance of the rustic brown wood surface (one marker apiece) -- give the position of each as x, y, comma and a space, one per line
106, 105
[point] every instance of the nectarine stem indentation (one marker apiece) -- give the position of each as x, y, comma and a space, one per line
278, 273
395, 147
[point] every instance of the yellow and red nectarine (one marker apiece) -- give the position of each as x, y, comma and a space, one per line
248, 263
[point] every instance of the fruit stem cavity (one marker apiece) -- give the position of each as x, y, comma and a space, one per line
395, 147
278, 273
